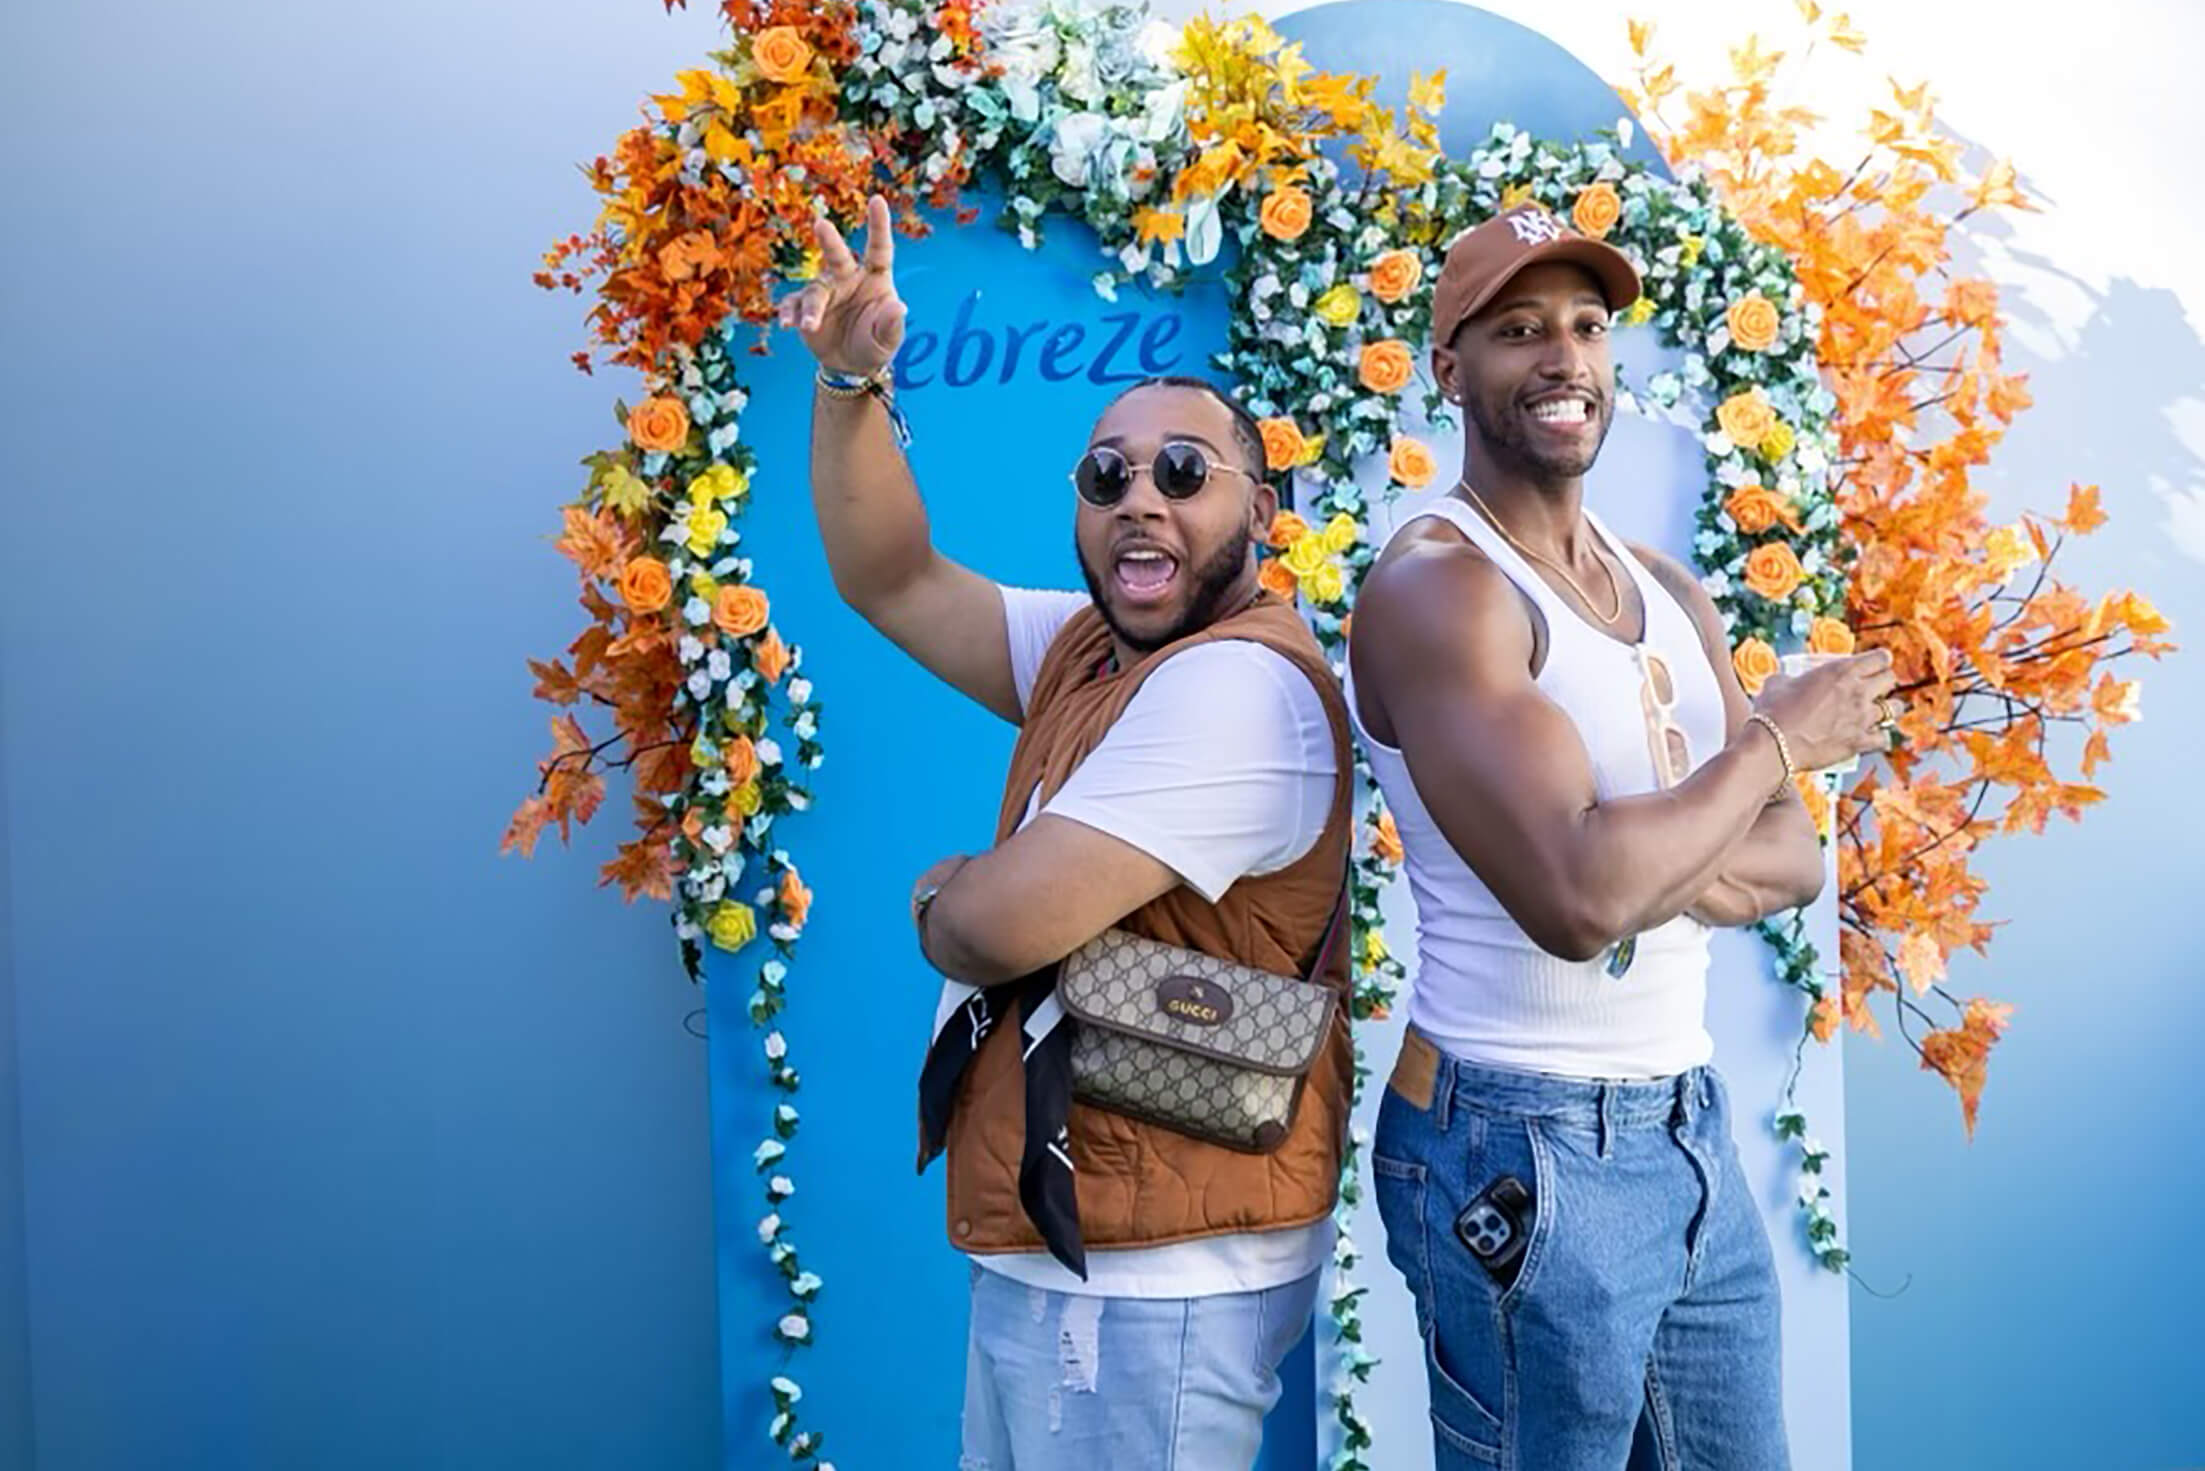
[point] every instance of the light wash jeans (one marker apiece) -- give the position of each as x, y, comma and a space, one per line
1058, 1382
1641, 1329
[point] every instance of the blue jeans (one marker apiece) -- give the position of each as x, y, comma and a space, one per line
1641, 1328
1057, 1382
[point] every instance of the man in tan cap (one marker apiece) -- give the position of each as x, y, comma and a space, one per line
1582, 791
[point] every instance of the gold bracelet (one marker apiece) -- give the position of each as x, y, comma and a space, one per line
850, 385
1783, 748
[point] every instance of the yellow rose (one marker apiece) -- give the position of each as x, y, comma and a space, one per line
1829, 636
745, 799
1639, 312
1689, 255
1773, 571
1286, 529
1778, 442
1341, 532
1339, 306
781, 54
704, 526
1409, 461
1753, 322
1746, 417
1285, 214
1374, 947
1282, 443
719, 483
659, 423
1306, 555
704, 585
644, 585
1756, 664
732, 925
1394, 275
1326, 584
1597, 210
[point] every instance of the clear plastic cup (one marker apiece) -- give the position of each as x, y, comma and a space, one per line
1795, 665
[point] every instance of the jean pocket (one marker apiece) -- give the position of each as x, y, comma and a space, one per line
1459, 1414
1399, 1187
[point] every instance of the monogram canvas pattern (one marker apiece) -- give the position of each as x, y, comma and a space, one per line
1197, 1044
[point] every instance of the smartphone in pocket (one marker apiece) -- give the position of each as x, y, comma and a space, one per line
1496, 1227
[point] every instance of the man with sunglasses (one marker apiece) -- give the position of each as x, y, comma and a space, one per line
1582, 789
1182, 773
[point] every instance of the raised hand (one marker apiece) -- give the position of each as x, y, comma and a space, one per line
850, 316
1834, 711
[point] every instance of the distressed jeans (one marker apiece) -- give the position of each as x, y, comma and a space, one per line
1060, 1382
1641, 1329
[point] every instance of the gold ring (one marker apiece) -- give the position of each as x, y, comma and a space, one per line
1891, 710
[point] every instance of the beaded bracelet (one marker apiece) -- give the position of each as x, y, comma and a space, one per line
1783, 748
879, 384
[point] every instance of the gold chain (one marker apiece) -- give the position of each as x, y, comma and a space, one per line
1615, 589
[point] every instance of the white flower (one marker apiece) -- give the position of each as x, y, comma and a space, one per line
780, 1187
1078, 78
1810, 1189
775, 971
718, 665
777, 1047
717, 837
769, 1228
1020, 41
1812, 1145
769, 753
800, 691
805, 1284
1161, 111
696, 610
795, 1327
700, 684
805, 726
690, 648
767, 1152
786, 1388
1072, 145
1156, 42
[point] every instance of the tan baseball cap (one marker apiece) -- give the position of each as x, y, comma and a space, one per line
1481, 261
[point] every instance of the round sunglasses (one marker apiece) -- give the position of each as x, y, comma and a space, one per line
1103, 477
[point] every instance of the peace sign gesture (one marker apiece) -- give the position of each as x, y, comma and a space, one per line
849, 315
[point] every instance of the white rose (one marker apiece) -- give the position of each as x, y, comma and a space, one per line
1156, 42
1079, 79
1160, 114
1077, 136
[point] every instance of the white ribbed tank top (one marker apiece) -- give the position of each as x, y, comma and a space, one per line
1483, 990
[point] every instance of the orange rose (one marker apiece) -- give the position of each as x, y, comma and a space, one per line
1410, 462
739, 610
796, 900
1746, 417
1347, 627
644, 585
1282, 442
1385, 840
1755, 508
770, 657
1773, 571
1279, 579
1829, 636
781, 54
1386, 366
741, 759
659, 423
1285, 213
1286, 529
1395, 274
1756, 664
1753, 322
1597, 210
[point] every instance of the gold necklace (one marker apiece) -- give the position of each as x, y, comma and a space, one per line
1615, 589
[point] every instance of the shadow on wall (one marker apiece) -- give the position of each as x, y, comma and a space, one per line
2083, 1121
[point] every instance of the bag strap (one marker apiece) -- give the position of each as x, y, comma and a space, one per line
1334, 929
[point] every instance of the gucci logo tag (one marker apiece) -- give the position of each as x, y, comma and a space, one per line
1190, 999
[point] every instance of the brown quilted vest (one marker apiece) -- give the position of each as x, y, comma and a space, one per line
1140, 1185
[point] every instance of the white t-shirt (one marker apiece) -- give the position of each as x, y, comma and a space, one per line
1220, 768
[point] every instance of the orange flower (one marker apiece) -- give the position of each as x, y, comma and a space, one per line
659, 423
1823, 1020
1829, 636
1395, 274
1756, 664
1753, 322
1285, 214
1746, 417
644, 585
1597, 210
770, 657
1385, 840
1282, 442
739, 610
781, 54
1755, 508
742, 760
1386, 366
796, 900
1410, 462
1276, 577
1773, 571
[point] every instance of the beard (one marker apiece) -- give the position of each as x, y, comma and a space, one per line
1210, 594
1507, 433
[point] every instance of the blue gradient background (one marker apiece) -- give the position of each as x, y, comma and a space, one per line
328, 1140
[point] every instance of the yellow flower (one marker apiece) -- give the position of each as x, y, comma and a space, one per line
704, 585
705, 525
701, 753
1326, 584
1341, 532
719, 483
1339, 306
1778, 442
1512, 196
1689, 256
1306, 555
745, 799
806, 268
1374, 948
732, 925
1639, 313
